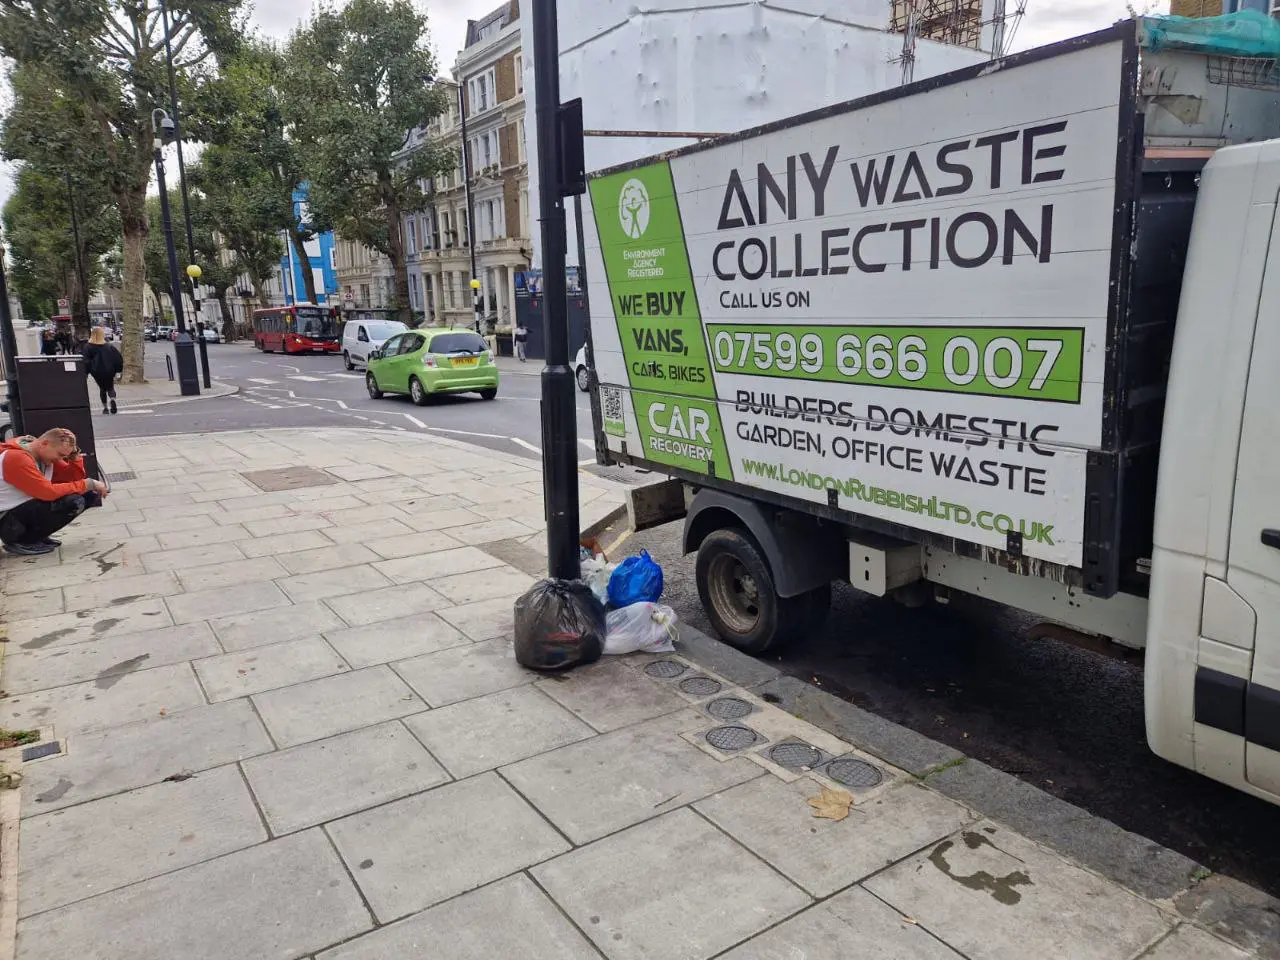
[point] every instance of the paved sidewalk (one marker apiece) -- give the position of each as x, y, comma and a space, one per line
156, 392
295, 729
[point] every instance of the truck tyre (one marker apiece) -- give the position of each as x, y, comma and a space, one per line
737, 592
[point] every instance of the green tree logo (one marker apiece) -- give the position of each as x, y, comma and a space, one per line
633, 209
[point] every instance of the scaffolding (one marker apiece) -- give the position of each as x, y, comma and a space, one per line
957, 22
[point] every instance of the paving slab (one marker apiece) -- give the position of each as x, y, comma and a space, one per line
609, 695
66, 628
774, 820
1235, 912
191, 556
424, 849
45, 573
463, 672
213, 575
70, 855
327, 584
1191, 943
102, 660
317, 782
444, 519
630, 775
500, 582
170, 917
483, 620
226, 602
853, 924
121, 698
285, 525
993, 895
133, 755
441, 563
213, 533
262, 627
673, 887
464, 929
284, 543
327, 558
38, 603
391, 640
389, 603
411, 544
491, 731
361, 533
257, 669
323, 708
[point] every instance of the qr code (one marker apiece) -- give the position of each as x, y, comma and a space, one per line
611, 403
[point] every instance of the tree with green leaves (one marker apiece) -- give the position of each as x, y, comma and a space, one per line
87, 75
254, 158
357, 82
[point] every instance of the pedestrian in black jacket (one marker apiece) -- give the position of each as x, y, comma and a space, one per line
103, 362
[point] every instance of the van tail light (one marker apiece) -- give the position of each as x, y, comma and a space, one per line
428, 360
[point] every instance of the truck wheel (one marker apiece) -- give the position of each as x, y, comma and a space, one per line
738, 595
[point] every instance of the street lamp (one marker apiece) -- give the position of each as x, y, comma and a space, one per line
183, 348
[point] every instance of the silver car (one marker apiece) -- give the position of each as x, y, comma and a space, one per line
361, 337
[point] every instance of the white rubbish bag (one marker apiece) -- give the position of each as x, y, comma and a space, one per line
596, 573
644, 627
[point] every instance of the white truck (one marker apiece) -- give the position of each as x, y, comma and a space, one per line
1012, 331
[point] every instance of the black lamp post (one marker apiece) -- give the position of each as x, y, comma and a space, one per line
183, 349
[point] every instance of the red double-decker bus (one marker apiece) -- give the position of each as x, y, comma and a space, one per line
302, 328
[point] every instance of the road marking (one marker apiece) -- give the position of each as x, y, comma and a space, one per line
308, 379
469, 433
338, 376
586, 463
137, 411
414, 420
587, 443
526, 444
261, 380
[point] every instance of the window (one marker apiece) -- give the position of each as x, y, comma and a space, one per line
413, 291
458, 343
413, 233
429, 230
520, 145
480, 90
519, 73
392, 346
523, 225
364, 294
411, 342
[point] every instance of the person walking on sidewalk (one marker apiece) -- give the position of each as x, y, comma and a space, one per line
103, 362
520, 337
43, 488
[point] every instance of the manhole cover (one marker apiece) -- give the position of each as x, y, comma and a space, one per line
853, 773
289, 478
731, 738
665, 669
41, 750
795, 755
728, 708
121, 476
700, 686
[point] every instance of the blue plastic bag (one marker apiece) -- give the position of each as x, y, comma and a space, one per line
635, 580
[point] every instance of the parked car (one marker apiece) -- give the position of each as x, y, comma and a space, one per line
423, 363
211, 334
361, 337
580, 372
165, 332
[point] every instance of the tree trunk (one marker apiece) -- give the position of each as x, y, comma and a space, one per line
308, 278
228, 321
395, 250
260, 291
80, 320
134, 219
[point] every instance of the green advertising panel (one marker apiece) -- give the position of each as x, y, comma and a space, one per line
659, 324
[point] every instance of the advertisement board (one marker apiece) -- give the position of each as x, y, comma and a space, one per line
898, 307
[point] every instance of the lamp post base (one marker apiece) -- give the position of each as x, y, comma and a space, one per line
184, 351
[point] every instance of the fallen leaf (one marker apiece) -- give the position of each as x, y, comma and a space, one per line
163, 711
831, 804
911, 920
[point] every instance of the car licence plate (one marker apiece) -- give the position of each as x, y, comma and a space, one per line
466, 361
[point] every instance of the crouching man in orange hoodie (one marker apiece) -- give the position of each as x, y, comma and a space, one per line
43, 488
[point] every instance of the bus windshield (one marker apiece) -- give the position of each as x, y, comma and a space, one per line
313, 322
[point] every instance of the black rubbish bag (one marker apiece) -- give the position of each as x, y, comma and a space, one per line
559, 624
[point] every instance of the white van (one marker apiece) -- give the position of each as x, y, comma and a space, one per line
362, 337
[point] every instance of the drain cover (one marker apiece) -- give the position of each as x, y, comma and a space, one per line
730, 738
795, 755
853, 773
122, 476
40, 750
728, 708
288, 478
700, 686
665, 669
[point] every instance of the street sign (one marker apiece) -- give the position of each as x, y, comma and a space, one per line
63, 304
349, 297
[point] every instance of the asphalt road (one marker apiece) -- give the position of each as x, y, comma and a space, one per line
1067, 720
315, 391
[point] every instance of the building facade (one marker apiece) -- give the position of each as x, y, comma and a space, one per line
319, 260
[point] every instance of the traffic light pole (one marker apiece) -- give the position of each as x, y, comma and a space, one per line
559, 412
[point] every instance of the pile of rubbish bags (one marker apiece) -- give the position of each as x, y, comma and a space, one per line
613, 609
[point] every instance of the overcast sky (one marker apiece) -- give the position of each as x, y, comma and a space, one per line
1045, 21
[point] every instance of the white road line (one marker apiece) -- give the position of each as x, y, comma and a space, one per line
526, 444
262, 380
586, 463
308, 379
469, 433
587, 443
414, 420
137, 411
357, 376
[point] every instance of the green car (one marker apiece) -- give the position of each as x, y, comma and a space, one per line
423, 363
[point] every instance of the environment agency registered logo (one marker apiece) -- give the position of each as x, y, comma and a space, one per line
633, 209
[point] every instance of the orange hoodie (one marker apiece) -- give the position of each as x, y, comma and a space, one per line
19, 470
